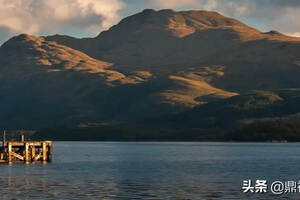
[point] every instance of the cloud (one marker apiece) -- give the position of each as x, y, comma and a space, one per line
296, 34
276, 15
287, 19
5, 34
233, 8
50, 16
263, 14
174, 3
89, 17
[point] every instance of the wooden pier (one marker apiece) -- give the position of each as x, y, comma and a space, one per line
25, 151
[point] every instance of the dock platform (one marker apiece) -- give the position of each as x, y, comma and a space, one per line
25, 151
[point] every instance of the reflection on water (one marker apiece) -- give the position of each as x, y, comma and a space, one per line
99, 170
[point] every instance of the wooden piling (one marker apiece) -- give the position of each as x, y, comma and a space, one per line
44, 151
9, 153
26, 152
4, 139
50, 152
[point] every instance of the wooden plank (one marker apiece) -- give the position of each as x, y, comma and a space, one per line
37, 157
17, 155
32, 152
34, 144
17, 144
31, 143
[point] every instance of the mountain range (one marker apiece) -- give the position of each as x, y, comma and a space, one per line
161, 71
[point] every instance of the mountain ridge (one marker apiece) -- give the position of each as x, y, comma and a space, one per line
146, 39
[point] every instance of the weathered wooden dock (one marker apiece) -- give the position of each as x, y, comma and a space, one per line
25, 151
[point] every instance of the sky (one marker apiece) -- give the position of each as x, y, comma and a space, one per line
87, 18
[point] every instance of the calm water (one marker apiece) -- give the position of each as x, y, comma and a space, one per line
101, 170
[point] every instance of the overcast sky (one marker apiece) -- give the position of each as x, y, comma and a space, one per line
86, 18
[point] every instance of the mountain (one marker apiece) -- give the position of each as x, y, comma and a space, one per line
154, 70
167, 42
45, 83
161, 38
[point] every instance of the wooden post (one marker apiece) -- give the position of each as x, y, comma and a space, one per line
26, 152
32, 152
4, 138
50, 152
44, 151
4, 149
9, 153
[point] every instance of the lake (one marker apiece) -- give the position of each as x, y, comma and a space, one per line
152, 170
